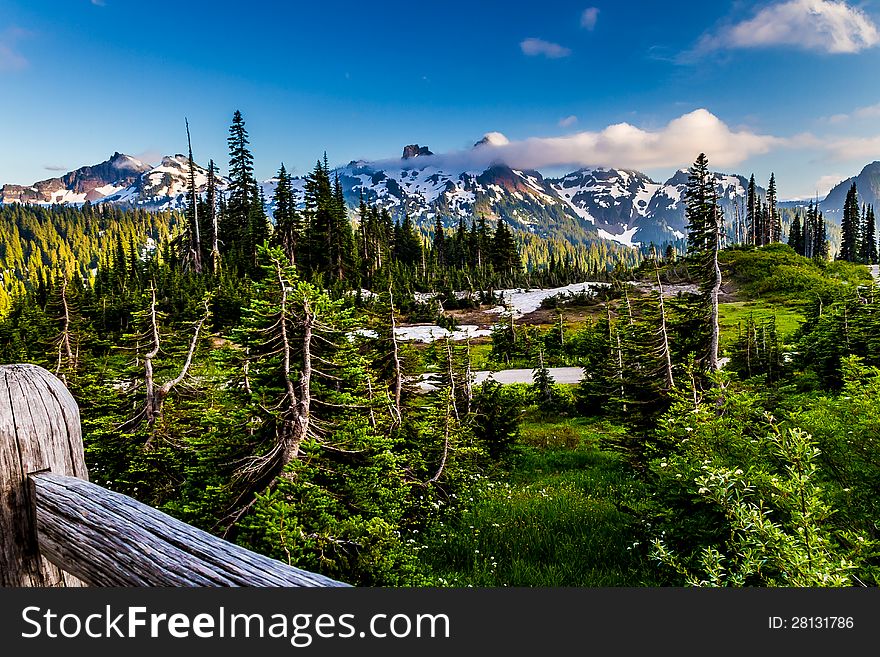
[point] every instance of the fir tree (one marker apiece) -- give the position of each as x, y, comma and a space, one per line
505, 256
795, 235
287, 220
849, 227
705, 226
211, 217
439, 245
774, 222
752, 212
238, 216
868, 241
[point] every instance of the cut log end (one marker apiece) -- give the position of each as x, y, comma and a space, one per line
39, 432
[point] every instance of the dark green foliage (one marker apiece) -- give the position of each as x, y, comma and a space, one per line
288, 223
796, 236
756, 351
496, 418
868, 238
849, 227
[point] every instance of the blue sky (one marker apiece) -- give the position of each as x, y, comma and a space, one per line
788, 86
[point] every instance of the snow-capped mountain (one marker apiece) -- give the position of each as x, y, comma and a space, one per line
122, 180
665, 214
610, 199
164, 186
586, 205
91, 183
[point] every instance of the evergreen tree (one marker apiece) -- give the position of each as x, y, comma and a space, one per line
408, 246
211, 218
821, 248
868, 241
238, 216
773, 219
287, 221
191, 239
849, 227
342, 245
319, 216
505, 255
795, 235
705, 227
439, 245
752, 213
700, 207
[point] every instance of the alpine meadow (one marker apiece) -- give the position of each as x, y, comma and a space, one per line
639, 355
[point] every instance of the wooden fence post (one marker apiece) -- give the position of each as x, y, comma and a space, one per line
39, 432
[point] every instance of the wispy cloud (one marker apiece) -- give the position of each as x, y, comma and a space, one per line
149, 156
853, 148
55, 167
589, 17
568, 121
826, 183
10, 57
621, 145
830, 26
99, 3
860, 113
534, 47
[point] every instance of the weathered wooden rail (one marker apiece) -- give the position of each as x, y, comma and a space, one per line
58, 529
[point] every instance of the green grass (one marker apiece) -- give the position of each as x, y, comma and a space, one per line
555, 521
481, 356
788, 318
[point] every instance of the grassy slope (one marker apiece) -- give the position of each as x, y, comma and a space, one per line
776, 281
554, 522
559, 518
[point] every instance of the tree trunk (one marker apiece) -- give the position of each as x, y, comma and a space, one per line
39, 432
398, 372
667, 354
64, 340
716, 291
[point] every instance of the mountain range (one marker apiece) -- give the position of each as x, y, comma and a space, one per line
591, 203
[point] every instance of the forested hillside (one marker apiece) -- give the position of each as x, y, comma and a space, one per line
247, 378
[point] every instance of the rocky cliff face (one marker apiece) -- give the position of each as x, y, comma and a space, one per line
90, 183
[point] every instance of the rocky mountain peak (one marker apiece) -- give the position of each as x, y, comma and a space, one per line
414, 150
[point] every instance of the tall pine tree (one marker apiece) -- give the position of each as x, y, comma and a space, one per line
849, 227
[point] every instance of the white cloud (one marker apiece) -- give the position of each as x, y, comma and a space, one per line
55, 167
10, 58
568, 121
99, 3
589, 17
870, 112
534, 47
826, 183
149, 156
830, 26
493, 139
676, 144
853, 148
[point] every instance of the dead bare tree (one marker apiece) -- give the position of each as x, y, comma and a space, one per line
398, 370
293, 410
211, 200
451, 373
155, 396
664, 333
64, 347
614, 336
195, 241
716, 289
450, 403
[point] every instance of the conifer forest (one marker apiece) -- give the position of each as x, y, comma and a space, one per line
250, 371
